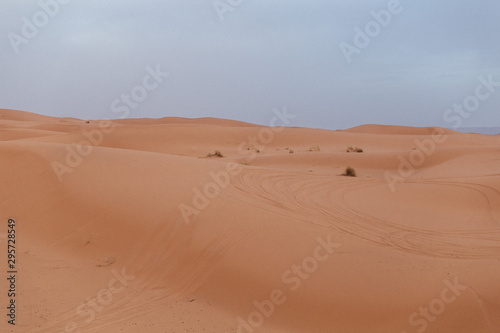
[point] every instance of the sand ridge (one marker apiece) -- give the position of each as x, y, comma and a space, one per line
105, 247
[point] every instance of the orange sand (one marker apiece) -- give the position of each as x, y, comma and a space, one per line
420, 255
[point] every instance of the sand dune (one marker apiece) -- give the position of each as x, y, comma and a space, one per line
128, 226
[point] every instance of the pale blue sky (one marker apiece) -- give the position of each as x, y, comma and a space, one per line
263, 55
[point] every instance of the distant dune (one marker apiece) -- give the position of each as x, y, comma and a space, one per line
213, 225
480, 130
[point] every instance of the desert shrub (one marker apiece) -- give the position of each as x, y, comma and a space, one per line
217, 153
351, 149
314, 148
349, 172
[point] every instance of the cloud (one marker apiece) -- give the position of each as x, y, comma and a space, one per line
265, 54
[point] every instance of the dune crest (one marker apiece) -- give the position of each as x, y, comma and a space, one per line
134, 225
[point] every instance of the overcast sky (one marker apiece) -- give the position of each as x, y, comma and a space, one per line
329, 62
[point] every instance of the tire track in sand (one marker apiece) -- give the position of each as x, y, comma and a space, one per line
323, 200
168, 267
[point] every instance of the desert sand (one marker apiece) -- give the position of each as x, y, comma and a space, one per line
128, 226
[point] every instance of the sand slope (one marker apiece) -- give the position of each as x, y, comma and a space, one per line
128, 226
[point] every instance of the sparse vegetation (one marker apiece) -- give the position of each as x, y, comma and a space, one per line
290, 151
217, 153
349, 172
314, 148
351, 149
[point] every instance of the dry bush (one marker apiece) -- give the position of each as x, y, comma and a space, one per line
351, 149
217, 153
349, 172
